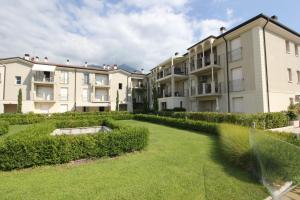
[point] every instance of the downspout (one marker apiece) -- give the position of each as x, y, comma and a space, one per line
227, 73
4, 77
75, 90
266, 64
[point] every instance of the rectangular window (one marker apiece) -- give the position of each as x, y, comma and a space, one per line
237, 79
86, 79
296, 49
238, 104
120, 86
290, 75
85, 95
18, 80
64, 94
64, 77
287, 46
298, 76
235, 49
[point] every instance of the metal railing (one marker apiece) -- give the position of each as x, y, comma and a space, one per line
179, 71
43, 79
209, 88
103, 83
101, 98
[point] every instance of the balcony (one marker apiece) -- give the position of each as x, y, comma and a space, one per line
235, 55
102, 83
43, 97
104, 98
236, 85
207, 89
41, 79
181, 93
206, 63
179, 71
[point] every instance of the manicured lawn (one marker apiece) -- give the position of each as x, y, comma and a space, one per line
13, 129
176, 165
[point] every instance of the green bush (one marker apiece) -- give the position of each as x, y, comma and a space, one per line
205, 127
262, 120
37, 147
3, 127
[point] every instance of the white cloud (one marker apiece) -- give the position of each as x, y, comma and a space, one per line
99, 31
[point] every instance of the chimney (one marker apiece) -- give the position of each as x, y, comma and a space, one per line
26, 56
46, 59
143, 70
104, 66
68, 61
274, 17
115, 66
85, 64
222, 30
108, 67
176, 54
37, 59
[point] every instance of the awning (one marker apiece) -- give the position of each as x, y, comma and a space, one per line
46, 68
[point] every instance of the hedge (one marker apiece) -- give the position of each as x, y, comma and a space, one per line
262, 120
17, 118
37, 147
233, 140
3, 127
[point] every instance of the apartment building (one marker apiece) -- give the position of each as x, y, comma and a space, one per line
50, 88
253, 67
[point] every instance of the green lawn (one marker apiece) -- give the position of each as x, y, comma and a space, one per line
13, 129
177, 164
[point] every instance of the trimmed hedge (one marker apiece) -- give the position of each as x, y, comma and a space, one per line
36, 147
262, 120
206, 127
3, 127
17, 118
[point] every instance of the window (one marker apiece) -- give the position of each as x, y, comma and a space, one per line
287, 46
18, 80
86, 79
85, 95
64, 93
238, 104
290, 75
64, 77
296, 49
237, 78
235, 50
298, 76
120, 86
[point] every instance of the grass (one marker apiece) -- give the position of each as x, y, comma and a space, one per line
13, 129
177, 164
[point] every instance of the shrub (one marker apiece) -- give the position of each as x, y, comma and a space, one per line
37, 147
3, 127
262, 120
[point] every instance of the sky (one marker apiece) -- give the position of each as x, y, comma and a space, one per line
140, 33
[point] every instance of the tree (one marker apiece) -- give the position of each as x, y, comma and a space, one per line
19, 106
155, 98
117, 101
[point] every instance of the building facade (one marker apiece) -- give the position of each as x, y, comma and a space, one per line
254, 67
51, 88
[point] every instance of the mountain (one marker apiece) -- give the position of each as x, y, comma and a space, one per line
125, 67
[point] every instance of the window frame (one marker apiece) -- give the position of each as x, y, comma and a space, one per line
120, 86
86, 81
287, 46
296, 49
16, 80
290, 75
64, 79
67, 96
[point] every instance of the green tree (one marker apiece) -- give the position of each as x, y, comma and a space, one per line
155, 98
117, 101
19, 106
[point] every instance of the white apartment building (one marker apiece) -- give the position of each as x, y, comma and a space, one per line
51, 88
253, 67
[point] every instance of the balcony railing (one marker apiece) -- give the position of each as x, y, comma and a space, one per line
102, 83
181, 93
211, 59
179, 71
209, 88
237, 85
101, 98
235, 55
43, 79
43, 97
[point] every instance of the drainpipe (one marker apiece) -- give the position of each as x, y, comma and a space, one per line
75, 90
266, 63
227, 73
4, 76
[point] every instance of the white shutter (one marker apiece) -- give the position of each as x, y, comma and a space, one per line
235, 44
237, 73
64, 94
85, 95
238, 104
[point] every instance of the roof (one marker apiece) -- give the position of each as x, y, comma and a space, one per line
68, 65
248, 22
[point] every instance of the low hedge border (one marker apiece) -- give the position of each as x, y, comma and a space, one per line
36, 147
3, 127
262, 120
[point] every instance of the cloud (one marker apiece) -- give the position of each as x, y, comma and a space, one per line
135, 32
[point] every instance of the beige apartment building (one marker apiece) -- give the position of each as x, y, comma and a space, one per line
51, 88
253, 67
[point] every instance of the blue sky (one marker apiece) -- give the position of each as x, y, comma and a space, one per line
140, 33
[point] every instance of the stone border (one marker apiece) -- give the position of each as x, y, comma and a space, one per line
80, 130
